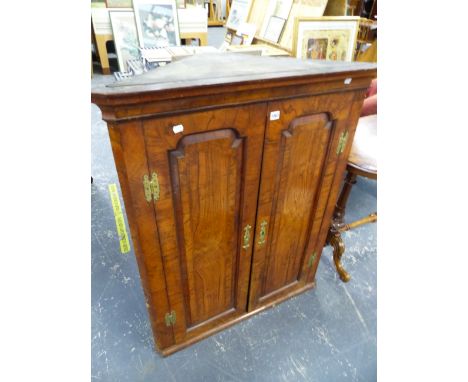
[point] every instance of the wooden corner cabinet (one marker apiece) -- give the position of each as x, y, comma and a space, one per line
230, 166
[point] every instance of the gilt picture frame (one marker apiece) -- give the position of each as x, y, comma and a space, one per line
331, 38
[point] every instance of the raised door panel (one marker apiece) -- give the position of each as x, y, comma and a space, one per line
302, 152
206, 171
298, 168
208, 180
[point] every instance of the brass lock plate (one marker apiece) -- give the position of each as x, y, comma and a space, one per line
263, 232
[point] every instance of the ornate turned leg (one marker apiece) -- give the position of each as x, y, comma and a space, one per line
334, 236
340, 208
335, 240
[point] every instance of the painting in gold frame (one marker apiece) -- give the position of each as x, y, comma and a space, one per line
326, 38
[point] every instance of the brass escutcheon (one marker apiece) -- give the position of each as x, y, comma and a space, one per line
263, 232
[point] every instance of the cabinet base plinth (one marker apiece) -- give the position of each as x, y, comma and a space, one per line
175, 348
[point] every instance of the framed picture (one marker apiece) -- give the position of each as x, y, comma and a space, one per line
157, 23
326, 38
125, 37
276, 15
311, 8
238, 14
119, 3
247, 31
274, 28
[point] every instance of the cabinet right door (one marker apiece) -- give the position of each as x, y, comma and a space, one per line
301, 173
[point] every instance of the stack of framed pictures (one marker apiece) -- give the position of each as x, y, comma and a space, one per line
136, 67
275, 19
142, 24
120, 76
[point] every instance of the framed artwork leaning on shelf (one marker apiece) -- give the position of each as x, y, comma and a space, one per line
125, 37
157, 23
276, 15
238, 14
325, 38
274, 29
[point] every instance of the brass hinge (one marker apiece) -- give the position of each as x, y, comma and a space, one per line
151, 187
170, 318
342, 142
246, 236
311, 260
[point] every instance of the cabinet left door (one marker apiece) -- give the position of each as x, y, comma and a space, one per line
207, 166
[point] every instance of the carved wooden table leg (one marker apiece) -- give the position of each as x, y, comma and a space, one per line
340, 209
334, 235
335, 240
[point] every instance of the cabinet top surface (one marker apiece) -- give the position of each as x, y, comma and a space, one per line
226, 68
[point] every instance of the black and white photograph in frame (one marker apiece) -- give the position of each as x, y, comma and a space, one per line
157, 23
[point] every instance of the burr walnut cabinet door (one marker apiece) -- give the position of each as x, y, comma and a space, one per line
299, 168
208, 179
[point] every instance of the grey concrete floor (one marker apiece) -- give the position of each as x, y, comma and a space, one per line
326, 334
